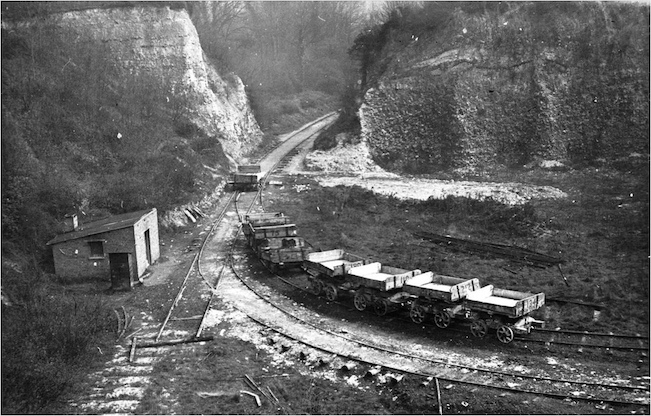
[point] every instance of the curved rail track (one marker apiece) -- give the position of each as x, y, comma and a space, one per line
638, 345
193, 287
419, 365
545, 384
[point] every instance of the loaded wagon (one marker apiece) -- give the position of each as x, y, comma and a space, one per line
278, 252
327, 271
506, 311
438, 295
246, 178
268, 231
274, 239
267, 225
265, 218
380, 286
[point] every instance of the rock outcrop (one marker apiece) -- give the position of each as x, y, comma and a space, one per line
154, 51
506, 84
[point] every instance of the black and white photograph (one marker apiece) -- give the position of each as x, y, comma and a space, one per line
325, 207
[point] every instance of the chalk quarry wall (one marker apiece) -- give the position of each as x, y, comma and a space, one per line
505, 89
161, 44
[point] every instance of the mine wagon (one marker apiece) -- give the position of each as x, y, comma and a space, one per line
263, 219
278, 252
506, 311
269, 231
438, 295
246, 178
380, 286
327, 271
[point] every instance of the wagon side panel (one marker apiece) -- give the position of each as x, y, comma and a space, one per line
532, 303
479, 306
460, 290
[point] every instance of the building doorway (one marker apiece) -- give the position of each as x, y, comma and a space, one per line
148, 247
121, 270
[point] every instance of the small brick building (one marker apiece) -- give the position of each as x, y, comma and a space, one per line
117, 248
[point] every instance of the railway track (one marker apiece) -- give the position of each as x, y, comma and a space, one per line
635, 392
548, 383
291, 322
197, 284
630, 347
286, 319
580, 339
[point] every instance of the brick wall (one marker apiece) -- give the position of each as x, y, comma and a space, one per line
72, 259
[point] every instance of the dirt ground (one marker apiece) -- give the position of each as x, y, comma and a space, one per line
208, 378
351, 165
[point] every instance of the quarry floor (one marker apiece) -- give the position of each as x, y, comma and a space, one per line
207, 377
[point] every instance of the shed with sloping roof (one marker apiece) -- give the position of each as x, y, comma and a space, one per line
117, 249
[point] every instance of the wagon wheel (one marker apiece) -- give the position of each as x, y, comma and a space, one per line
417, 313
479, 328
505, 334
442, 319
330, 292
381, 307
360, 300
317, 286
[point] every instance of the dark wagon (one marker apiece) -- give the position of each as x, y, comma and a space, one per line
274, 240
246, 178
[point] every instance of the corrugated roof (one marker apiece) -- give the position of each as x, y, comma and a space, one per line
111, 223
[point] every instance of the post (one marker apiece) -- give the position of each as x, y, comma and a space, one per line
438, 395
562, 275
133, 349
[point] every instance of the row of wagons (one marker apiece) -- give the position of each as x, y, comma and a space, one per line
385, 289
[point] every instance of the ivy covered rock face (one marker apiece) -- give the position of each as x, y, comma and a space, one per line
504, 84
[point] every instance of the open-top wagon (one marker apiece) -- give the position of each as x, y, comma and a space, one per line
327, 271
278, 252
246, 178
380, 286
263, 219
255, 233
438, 295
506, 311
274, 239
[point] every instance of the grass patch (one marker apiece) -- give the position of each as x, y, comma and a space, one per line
600, 230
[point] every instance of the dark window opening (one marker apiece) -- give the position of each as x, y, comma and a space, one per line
96, 249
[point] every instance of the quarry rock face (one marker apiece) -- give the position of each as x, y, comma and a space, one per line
505, 87
158, 47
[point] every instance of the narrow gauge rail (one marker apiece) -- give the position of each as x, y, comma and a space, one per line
194, 282
589, 340
190, 283
615, 392
533, 384
634, 345
421, 366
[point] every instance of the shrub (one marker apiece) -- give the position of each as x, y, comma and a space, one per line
47, 336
